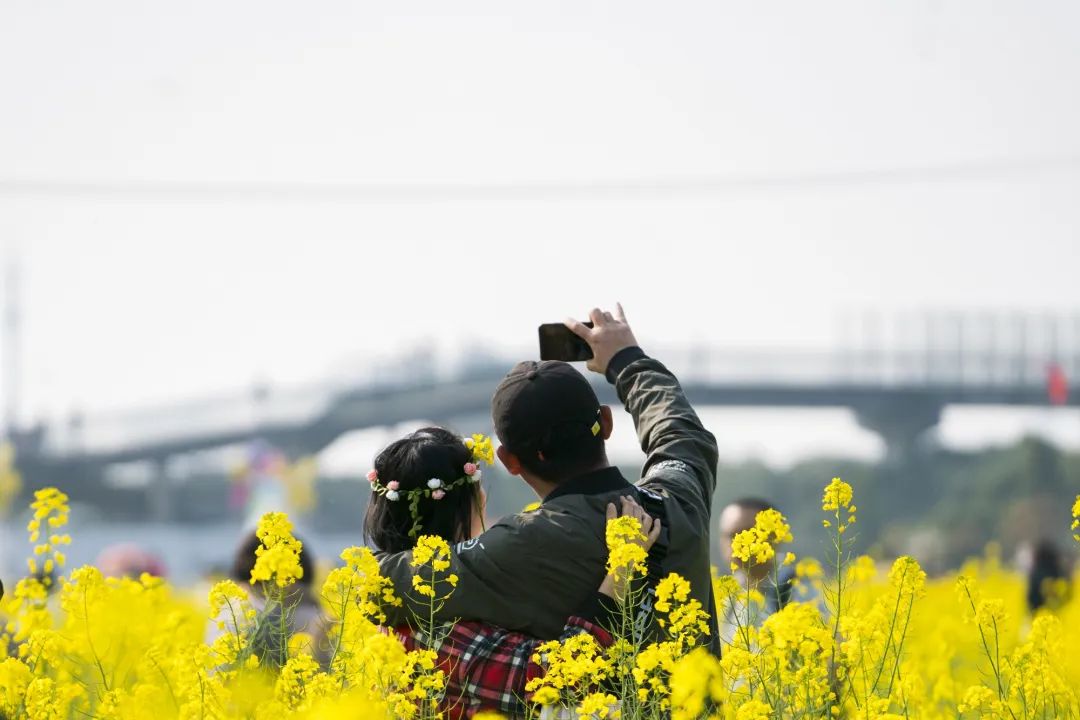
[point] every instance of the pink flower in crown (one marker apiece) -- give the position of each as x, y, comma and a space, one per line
393, 485
372, 476
438, 495
470, 468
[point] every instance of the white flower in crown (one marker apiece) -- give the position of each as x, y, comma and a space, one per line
392, 495
475, 477
434, 483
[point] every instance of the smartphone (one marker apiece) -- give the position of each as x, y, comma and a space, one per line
558, 342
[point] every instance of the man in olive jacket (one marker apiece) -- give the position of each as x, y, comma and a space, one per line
531, 571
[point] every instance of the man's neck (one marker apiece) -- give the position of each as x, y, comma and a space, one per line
543, 488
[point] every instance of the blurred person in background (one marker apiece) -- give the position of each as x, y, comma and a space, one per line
305, 614
129, 561
1047, 573
736, 517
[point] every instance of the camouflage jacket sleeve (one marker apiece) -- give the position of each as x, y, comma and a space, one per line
681, 454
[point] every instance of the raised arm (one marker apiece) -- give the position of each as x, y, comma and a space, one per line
678, 448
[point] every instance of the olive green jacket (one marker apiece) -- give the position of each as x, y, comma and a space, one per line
531, 571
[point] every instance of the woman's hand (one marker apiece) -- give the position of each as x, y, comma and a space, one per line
616, 587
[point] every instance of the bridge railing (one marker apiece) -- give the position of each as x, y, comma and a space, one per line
241, 412
891, 369
262, 406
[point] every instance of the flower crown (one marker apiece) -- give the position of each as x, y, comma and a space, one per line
481, 449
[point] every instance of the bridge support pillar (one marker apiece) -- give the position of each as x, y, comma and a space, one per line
160, 493
901, 421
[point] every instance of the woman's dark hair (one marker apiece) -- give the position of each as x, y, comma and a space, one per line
244, 561
430, 452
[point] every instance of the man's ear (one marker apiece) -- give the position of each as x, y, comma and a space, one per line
607, 422
509, 460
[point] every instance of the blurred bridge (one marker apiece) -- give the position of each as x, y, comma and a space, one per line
896, 393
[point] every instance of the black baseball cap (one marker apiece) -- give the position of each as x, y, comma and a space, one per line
544, 406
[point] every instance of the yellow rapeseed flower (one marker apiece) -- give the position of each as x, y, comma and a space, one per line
982, 701
990, 612
299, 682
481, 448
431, 551
599, 705
861, 570
838, 494
277, 559
50, 508
697, 684
681, 616
431, 558
573, 667
15, 677
652, 668
757, 545
358, 586
753, 710
907, 577
224, 594
626, 551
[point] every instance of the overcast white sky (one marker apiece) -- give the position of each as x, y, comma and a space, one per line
959, 120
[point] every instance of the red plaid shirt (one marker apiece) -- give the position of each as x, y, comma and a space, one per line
487, 667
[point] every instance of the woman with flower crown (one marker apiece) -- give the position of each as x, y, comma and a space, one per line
429, 483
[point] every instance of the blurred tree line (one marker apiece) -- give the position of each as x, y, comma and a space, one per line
942, 507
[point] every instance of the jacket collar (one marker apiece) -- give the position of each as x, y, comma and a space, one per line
597, 482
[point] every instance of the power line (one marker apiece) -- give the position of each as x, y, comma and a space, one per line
292, 191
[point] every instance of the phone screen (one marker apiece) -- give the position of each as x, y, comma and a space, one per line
558, 342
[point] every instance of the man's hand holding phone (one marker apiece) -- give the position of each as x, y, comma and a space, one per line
609, 334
